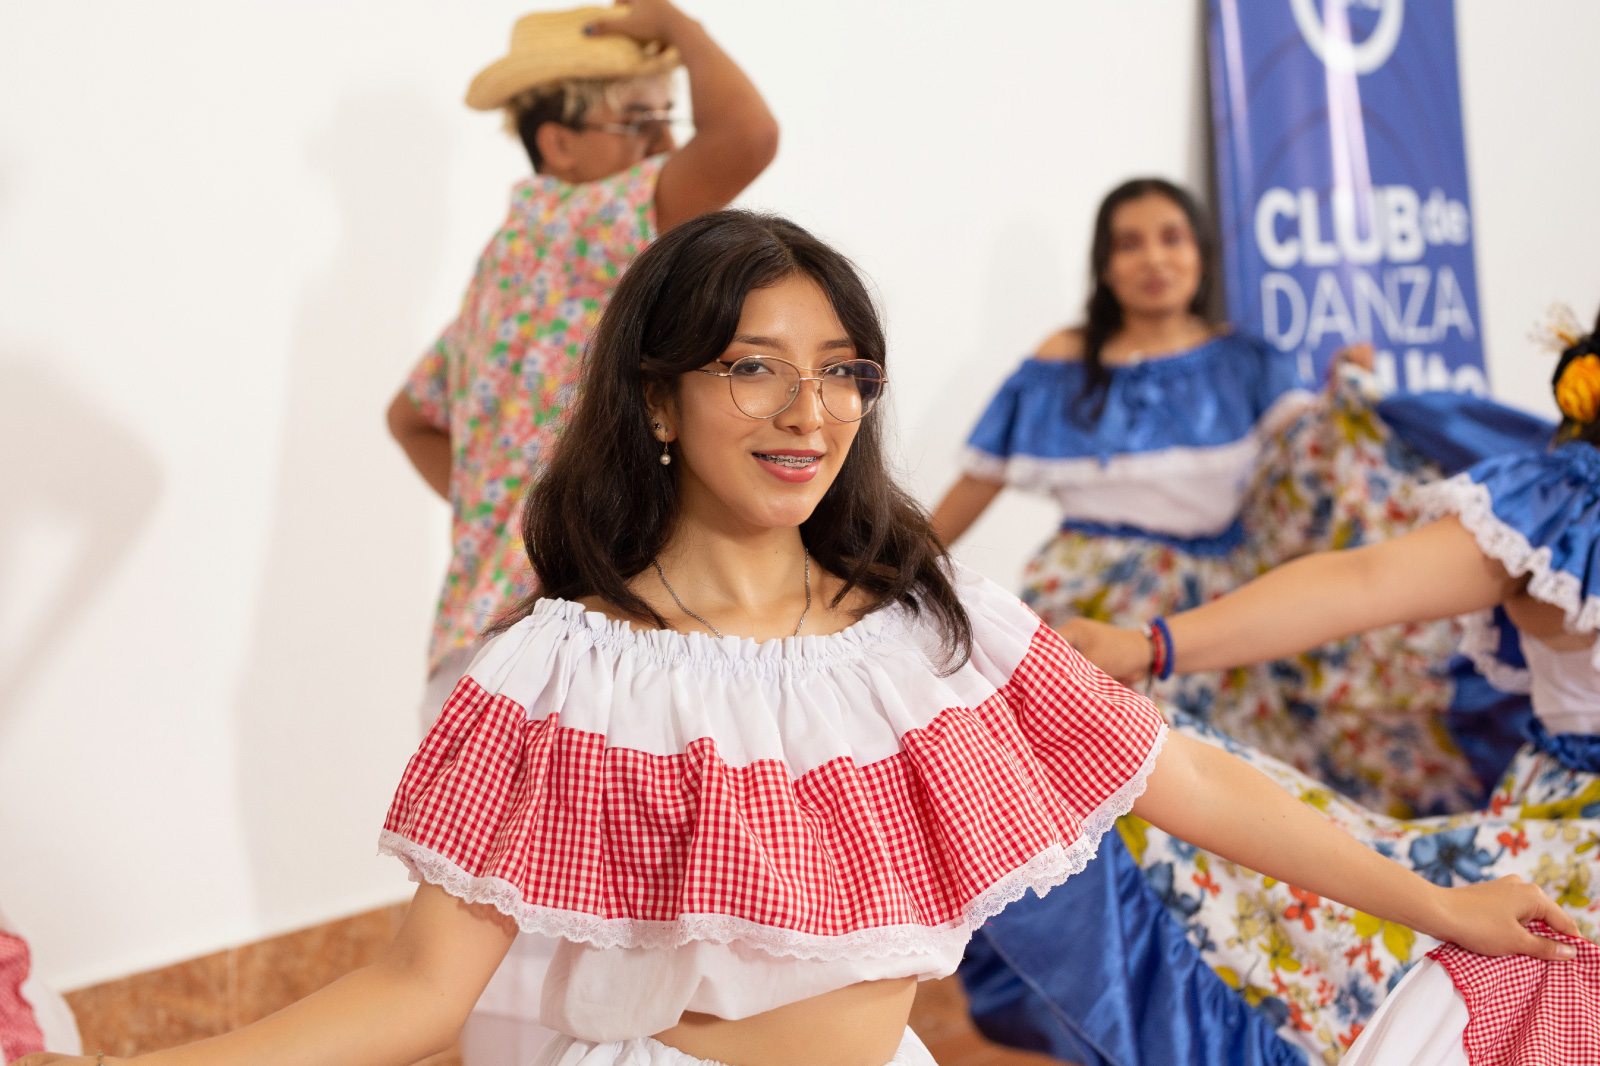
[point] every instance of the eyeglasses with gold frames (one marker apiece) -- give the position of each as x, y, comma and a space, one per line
764, 385
646, 124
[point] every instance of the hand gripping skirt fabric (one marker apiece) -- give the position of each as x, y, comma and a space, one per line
1459, 1009
645, 1051
1314, 969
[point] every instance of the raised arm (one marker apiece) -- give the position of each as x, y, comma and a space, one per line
1437, 571
408, 1005
1208, 798
735, 135
967, 499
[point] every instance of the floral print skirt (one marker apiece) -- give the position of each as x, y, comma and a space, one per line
1365, 715
1319, 969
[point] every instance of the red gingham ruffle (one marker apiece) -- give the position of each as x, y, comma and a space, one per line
576, 836
1525, 1011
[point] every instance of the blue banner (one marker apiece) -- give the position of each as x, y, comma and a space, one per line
1342, 184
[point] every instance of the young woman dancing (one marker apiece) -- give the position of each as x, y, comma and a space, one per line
1518, 540
759, 754
1187, 458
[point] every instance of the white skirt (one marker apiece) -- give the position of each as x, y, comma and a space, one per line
1420, 1023
646, 1051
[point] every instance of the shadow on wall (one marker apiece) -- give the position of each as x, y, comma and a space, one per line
76, 491
326, 707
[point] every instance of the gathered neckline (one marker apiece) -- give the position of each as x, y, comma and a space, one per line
677, 646
1204, 348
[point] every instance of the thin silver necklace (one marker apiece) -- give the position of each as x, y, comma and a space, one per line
714, 630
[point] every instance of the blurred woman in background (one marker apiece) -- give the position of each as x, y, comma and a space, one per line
1186, 459
1515, 549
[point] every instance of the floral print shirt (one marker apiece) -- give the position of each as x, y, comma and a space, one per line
499, 377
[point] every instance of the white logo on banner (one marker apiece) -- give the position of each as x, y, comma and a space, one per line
1362, 58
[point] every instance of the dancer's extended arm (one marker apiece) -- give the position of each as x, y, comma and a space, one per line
1434, 572
1205, 796
966, 501
408, 1005
735, 134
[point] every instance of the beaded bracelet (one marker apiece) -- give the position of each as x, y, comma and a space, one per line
1149, 634
1160, 638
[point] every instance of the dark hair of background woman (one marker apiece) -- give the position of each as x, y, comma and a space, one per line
1571, 429
1103, 315
606, 506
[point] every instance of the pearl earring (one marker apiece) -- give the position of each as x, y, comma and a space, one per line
666, 456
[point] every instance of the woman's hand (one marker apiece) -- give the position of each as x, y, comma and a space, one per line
1201, 794
646, 20
1122, 653
44, 1058
1360, 354
1489, 918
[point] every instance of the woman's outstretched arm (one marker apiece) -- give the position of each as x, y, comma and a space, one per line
1437, 571
1210, 799
406, 1006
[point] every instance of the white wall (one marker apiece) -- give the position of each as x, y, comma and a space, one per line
226, 230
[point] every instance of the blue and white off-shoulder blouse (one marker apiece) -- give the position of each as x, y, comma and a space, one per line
1171, 451
1537, 515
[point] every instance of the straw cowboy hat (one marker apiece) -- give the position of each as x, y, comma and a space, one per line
550, 46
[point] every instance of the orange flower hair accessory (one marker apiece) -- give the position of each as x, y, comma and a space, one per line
1578, 390
1576, 381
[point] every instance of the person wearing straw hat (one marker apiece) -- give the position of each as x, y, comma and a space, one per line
588, 93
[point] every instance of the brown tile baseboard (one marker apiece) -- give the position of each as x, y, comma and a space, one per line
213, 994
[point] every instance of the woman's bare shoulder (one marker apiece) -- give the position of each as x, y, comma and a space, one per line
1061, 346
613, 613
597, 605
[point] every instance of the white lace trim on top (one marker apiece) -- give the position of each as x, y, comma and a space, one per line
1471, 503
1480, 642
1041, 873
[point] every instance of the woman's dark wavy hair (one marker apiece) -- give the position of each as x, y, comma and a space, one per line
1570, 428
1102, 314
606, 506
